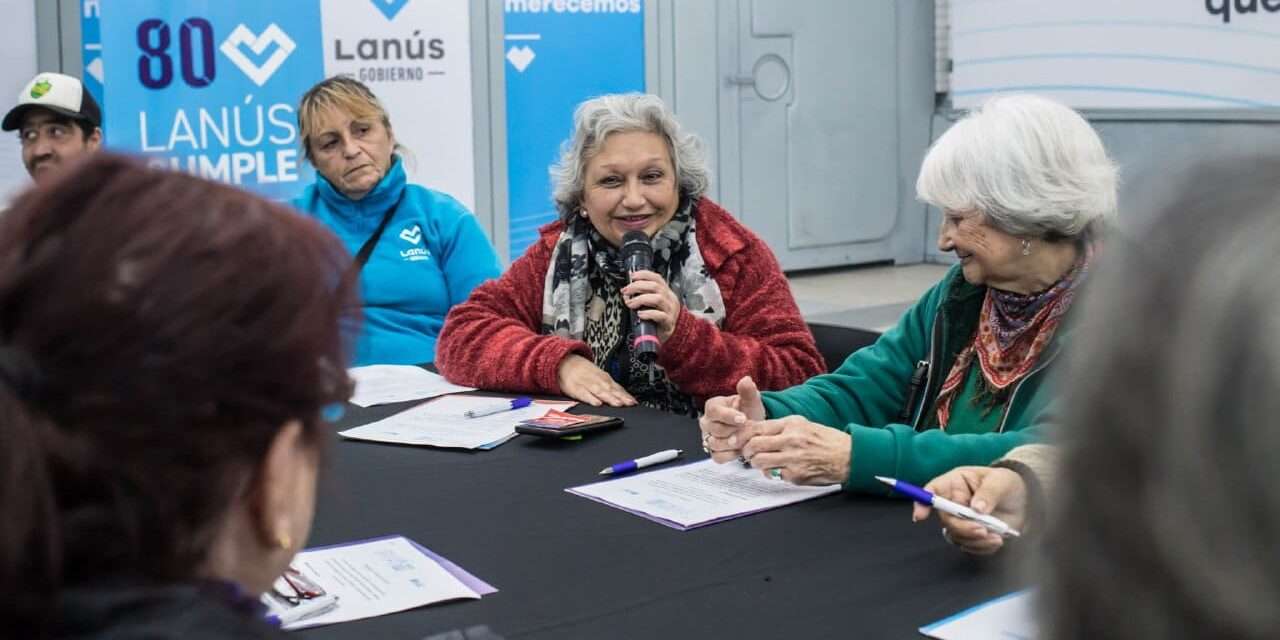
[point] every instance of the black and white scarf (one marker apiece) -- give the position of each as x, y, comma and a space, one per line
582, 300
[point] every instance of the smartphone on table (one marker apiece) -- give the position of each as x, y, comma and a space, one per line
558, 424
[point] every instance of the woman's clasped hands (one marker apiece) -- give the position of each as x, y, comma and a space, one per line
793, 448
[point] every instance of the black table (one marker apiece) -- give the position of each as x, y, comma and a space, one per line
568, 567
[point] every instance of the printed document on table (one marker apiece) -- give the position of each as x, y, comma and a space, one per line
380, 576
698, 494
441, 423
1010, 617
387, 383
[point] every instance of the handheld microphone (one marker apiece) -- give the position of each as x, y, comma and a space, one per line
637, 255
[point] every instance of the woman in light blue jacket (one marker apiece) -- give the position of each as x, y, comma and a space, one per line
420, 251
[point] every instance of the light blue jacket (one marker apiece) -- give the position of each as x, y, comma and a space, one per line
429, 258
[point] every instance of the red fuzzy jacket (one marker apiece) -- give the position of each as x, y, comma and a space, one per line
493, 340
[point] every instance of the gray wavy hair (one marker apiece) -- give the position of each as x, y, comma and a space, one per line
597, 118
1033, 166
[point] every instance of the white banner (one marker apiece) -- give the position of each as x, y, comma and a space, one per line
416, 57
1109, 54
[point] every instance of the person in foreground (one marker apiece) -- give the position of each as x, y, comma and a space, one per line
1165, 521
419, 251
559, 320
1025, 187
167, 346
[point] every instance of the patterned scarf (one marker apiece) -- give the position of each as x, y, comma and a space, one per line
582, 300
1013, 330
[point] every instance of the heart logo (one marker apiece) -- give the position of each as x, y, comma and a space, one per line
95, 69
520, 57
390, 8
259, 74
412, 235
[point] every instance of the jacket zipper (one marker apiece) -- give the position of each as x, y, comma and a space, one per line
938, 321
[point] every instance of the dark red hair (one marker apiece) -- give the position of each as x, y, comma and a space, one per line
156, 331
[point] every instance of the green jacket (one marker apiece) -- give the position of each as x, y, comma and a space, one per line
869, 394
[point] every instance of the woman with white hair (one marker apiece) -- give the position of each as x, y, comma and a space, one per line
1025, 186
559, 321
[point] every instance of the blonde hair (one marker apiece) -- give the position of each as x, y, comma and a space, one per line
344, 94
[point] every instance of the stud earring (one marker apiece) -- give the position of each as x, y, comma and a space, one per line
284, 541
1026, 247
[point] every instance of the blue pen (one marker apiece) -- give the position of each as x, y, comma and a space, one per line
640, 463
942, 504
499, 407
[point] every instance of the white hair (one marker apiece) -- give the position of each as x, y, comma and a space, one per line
597, 118
1033, 166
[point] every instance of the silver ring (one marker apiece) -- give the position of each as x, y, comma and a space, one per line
776, 473
706, 437
946, 535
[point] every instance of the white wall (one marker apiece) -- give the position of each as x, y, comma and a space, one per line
18, 51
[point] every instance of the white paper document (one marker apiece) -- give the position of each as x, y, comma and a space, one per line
1010, 617
698, 494
387, 383
377, 577
441, 423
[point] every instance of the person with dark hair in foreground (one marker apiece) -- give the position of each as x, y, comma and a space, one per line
167, 346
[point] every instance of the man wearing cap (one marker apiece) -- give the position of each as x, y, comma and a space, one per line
57, 120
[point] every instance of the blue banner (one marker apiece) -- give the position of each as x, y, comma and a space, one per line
211, 87
559, 53
91, 50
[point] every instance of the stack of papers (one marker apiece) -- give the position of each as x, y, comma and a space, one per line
441, 423
1010, 617
698, 494
380, 576
388, 383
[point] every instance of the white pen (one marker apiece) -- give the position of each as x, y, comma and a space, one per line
305, 609
498, 407
956, 509
640, 463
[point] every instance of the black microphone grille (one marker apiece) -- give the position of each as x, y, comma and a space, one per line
636, 242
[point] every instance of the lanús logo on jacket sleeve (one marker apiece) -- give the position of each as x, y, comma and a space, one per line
413, 235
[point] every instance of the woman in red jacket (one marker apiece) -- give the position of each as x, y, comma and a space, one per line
559, 320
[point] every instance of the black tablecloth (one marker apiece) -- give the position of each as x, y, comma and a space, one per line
568, 567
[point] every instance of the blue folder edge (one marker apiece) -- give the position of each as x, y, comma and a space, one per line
983, 605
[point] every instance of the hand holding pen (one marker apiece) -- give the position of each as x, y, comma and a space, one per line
924, 497
994, 492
